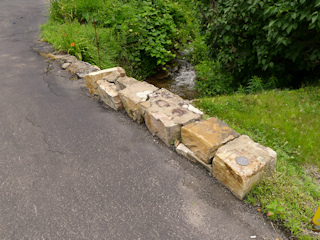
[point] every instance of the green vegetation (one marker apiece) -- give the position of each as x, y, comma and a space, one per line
264, 38
142, 36
288, 122
247, 46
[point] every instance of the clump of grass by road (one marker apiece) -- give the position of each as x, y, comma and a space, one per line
79, 40
288, 122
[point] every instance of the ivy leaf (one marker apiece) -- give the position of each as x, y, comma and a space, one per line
314, 18
304, 14
289, 29
314, 54
271, 23
317, 3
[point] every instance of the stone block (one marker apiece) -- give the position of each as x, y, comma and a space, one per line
187, 153
63, 57
65, 65
92, 78
112, 77
82, 69
205, 137
121, 71
165, 113
133, 95
237, 178
123, 82
108, 94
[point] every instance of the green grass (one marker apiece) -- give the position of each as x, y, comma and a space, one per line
63, 35
288, 122
142, 36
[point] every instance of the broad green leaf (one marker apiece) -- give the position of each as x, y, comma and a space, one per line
314, 54
289, 29
304, 14
271, 23
284, 26
314, 18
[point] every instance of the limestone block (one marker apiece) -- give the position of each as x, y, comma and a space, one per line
108, 94
237, 178
82, 69
133, 95
187, 153
205, 137
121, 71
93, 77
165, 113
63, 57
65, 65
112, 77
123, 82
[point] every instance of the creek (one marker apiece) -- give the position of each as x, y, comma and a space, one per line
181, 80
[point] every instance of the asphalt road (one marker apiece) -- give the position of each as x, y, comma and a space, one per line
71, 168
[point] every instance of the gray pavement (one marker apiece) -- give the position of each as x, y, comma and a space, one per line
71, 168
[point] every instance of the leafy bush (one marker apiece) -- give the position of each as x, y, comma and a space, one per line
211, 79
150, 32
264, 38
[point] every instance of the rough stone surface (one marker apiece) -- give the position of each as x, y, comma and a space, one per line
82, 69
73, 65
205, 137
165, 113
133, 95
112, 77
63, 57
92, 78
121, 71
123, 82
108, 94
240, 179
65, 65
187, 153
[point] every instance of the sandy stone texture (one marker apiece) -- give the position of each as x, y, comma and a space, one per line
165, 113
237, 178
187, 153
92, 78
109, 95
133, 95
205, 137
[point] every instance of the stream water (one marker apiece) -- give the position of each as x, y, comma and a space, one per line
181, 80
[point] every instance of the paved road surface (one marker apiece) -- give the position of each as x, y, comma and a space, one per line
73, 169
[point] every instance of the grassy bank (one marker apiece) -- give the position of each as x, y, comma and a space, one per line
288, 122
142, 36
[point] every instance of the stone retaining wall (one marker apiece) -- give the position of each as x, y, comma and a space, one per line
236, 161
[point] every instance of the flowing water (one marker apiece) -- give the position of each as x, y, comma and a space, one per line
181, 80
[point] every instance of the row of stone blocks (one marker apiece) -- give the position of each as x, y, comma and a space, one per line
236, 161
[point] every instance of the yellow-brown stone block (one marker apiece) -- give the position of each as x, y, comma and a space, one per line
239, 179
205, 137
165, 113
92, 78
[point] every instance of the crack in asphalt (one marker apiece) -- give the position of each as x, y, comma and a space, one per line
46, 74
45, 140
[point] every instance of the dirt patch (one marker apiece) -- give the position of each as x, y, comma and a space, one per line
314, 172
